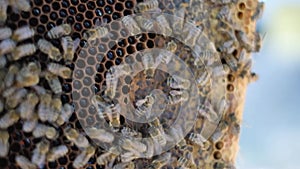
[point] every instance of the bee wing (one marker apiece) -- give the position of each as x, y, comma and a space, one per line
76, 44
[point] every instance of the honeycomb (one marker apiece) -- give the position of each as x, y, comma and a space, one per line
219, 151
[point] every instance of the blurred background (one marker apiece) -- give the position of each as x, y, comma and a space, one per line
270, 137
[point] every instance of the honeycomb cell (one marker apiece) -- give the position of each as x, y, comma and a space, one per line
63, 13
118, 61
150, 44
116, 15
129, 4
217, 155
230, 78
38, 2
127, 12
110, 55
33, 22
130, 49
81, 8
77, 84
85, 92
108, 9
219, 145
79, 17
75, 2
46, 9
65, 4
230, 88
240, 15
99, 12
108, 64
53, 16
72, 10
55, 6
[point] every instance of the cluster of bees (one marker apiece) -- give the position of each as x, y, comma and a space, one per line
42, 111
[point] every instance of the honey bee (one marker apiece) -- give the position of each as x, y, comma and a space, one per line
120, 70
258, 38
99, 31
59, 31
84, 157
24, 163
157, 132
30, 124
20, 5
132, 145
149, 5
129, 156
54, 109
39, 153
113, 115
258, 11
220, 131
57, 152
203, 78
128, 165
190, 34
176, 96
144, 23
49, 49
29, 75
4, 145
26, 108
244, 40
3, 12
149, 65
99, 134
22, 51
65, 115
197, 139
177, 82
171, 46
53, 82
144, 106
164, 25
232, 62
182, 162
59, 70
3, 61
23, 33
131, 25
111, 83
69, 46
205, 56
100, 105
160, 161
77, 138
10, 77
44, 106
16, 98
5, 32
128, 132
178, 21
7, 46
224, 14
39, 90
108, 157
43, 130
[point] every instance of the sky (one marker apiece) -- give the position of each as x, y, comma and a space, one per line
270, 136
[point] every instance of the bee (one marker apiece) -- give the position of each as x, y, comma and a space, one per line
3, 61
197, 139
171, 46
129, 156
24, 163
258, 11
39, 90
44, 106
207, 111
42, 130
220, 131
1, 105
203, 56
100, 105
5, 32
77, 138
99, 31
132, 145
69, 46
182, 162
128, 132
128, 165
149, 65
4, 145
29, 75
157, 132
99, 134
111, 83
26, 108
203, 78
23, 33
84, 157
144, 106
144, 23
120, 70
113, 115
190, 34
54, 109
59, 31
59, 70
39, 153
57, 152
232, 62
160, 161
3, 12
20, 5
178, 21
7, 46
164, 25
149, 5
244, 40
131, 25
228, 47
22, 51
65, 115
10, 77
177, 82
16, 98
224, 14
49, 49
53, 82
30, 124
176, 97
108, 157
258, 41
